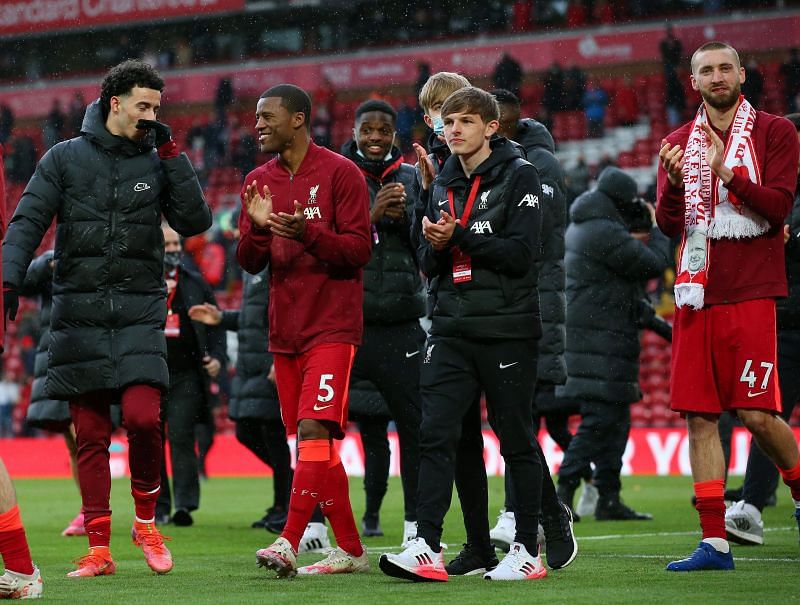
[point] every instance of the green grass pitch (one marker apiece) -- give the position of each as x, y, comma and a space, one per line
618, 562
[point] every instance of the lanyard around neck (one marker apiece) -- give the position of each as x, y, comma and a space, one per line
473, 193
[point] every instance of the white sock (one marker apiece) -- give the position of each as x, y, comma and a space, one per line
719, 544
797, 503
138, 520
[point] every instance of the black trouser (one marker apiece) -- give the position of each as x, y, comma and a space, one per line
377, 457
762, 476
183, 406
204, 435
267, 440
472, 485
550, 506
454, 372
601, 438
389, 358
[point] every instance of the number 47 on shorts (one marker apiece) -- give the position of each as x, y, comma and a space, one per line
749, 376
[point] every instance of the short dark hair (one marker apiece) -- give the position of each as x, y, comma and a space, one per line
376, 105
794, 118
472, 100
715, 46
293, 99
122, 79
505, 97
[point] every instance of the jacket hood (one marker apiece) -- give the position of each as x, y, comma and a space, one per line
592, 205
531, 134
503, 151
438, 148
94, 128
377, 169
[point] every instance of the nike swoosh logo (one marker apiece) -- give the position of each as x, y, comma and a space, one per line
324, 407
751, 394
141, 187
443, 202
503, 366
412, 354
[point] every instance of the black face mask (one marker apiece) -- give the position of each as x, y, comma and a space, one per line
172, 259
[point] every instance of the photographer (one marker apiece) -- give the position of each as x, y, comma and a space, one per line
612, 248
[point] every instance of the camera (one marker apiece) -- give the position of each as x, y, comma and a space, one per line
648, 320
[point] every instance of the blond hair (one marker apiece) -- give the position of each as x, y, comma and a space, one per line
440, 86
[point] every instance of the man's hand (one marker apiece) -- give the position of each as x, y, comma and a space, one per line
425, 166
787, 234
206, 314
162, 131
211, 366
715, 154
271, 375
291, 226
258, 207
440, 232
671, 158
390, 201
10, 302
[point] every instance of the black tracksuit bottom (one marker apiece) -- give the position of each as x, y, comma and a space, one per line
181, 409
389, 358
761, 477
601, 438
267, 440
454, 372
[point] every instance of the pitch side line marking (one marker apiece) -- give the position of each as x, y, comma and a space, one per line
625, 536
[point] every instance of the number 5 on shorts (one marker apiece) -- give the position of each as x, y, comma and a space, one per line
749, 376
325, 390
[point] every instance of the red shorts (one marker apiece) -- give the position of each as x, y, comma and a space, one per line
313, 386
724, 357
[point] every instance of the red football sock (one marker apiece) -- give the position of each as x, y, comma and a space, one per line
791, 477
98, 529
313, 458
13, 543
335, 505
145, 504
711, 506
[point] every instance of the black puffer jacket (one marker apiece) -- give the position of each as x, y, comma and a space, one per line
539, 149
43, 412
606, 269
789, 308
107, 195
502, 240
254, 395
392, 285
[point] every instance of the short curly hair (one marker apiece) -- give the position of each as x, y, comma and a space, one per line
122, 78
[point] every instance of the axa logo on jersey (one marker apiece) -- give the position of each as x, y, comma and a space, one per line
530, 200
481, 227
312, 213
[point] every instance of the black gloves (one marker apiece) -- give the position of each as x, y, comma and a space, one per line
162, 131
10, 302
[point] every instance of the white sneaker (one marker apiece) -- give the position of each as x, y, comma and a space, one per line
504, 532
518, 564
743, 524
15, 585
588, 501
409, 533
280, 556
315, 539
337, 561
417, 563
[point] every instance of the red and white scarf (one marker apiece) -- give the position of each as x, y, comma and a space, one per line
713, 212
